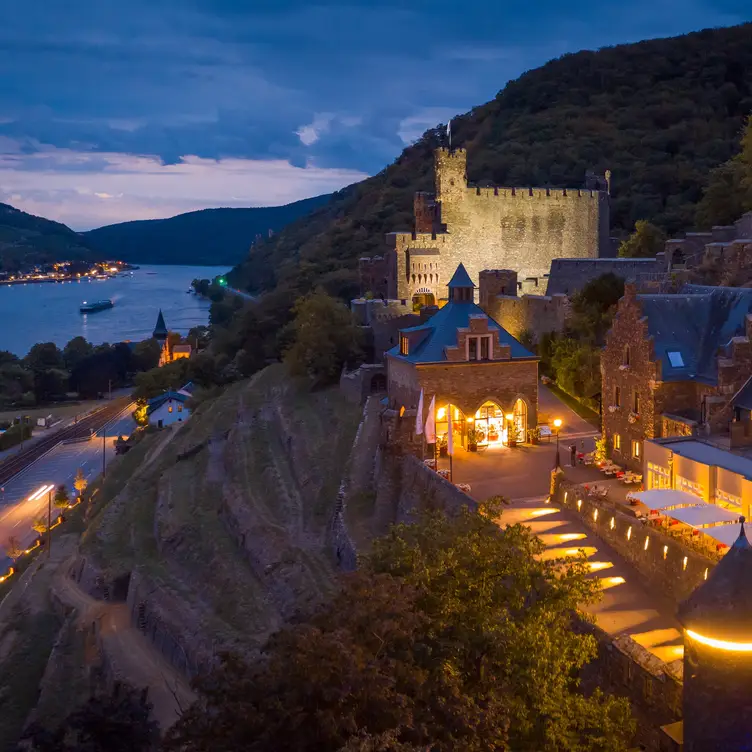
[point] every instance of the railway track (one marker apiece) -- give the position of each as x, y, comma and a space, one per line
92, 422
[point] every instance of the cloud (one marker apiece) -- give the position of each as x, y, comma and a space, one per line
143, 187
311, 133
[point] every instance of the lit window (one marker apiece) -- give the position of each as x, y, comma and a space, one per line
617, 442
617, 396
404, 345
636, 449
180, 408
675, 358
169, 408
636, 402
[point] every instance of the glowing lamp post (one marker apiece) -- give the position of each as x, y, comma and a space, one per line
557, 426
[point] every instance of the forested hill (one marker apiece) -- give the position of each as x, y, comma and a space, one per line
659, 114
26, 240
209, 236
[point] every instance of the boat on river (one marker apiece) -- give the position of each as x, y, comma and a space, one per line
97, 305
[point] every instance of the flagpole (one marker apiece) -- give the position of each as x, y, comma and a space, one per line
450, 439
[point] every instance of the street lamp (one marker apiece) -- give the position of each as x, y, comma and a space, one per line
557, 426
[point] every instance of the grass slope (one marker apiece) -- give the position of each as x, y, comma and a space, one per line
660, 114
209, 236
234, 534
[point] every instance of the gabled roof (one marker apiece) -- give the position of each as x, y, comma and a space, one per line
187, 388
440, 331
156, 402
460, 278
696, 323
160, 330
721, 608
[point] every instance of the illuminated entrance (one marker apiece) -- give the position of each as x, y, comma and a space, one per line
490, 426
458, 425
423, 297
519, 422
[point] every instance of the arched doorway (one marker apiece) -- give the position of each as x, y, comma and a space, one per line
489, 424
519, 421
459, 426
423, 297
378, 383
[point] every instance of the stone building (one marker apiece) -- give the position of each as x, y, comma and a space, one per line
472, 366
717, 621
674, 365
488, 228
533, 315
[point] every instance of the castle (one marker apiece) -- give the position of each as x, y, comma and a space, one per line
522, 229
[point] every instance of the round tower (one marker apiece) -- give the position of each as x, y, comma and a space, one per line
717, 621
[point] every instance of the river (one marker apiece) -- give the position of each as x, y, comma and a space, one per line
49, 312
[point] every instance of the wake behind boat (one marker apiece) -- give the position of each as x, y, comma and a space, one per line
97, 305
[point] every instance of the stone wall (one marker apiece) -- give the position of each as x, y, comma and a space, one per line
665, 565
570, 275
534, 314
510, 228
357, 385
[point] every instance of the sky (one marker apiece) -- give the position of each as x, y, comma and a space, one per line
113, 111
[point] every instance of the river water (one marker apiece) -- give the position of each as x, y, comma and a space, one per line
49, 312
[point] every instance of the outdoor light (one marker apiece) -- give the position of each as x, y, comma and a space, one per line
629, 534
684, 564
566, 493
510, 416
665, 551
612, 524
441, 414
595, 515
471, 420
557, 423
557, 426
743, 647
579, 504
705, 576
647, 543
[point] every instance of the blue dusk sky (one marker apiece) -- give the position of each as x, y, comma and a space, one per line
111, 111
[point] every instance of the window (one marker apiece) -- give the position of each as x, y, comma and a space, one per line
479, 347
626, 355
404, 345
617, 396
636, 449
688, 486
636, 402
658, 476
675, 358
728, 501
617, 442
180, 408
169, 408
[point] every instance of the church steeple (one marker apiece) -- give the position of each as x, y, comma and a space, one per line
160, 330
461, 286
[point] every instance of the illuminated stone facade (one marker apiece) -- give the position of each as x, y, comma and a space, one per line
707, 332
490, 228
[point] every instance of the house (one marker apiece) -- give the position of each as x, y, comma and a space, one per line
676, 365
479, 374
168, 408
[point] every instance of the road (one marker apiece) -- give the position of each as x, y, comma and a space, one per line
59, 466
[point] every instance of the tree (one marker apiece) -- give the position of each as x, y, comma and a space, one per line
79, 482
594, 306
39, 525
139, 414
325, 338
75, 351
13, 548
61, 499
645, 242
119, 722
453, 636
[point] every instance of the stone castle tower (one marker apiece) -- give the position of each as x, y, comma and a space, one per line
521, 229
717, 619
160, 334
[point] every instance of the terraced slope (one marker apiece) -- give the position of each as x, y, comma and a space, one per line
223, 524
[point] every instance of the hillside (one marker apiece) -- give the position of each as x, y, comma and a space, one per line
26, 240
209, 236
659, 114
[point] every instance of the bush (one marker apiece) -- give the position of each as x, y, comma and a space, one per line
14, 435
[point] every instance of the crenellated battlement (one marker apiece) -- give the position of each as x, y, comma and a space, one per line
535, 193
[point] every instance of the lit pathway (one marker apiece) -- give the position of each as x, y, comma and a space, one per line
626, 606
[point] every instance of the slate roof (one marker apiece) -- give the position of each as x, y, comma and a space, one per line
160, 330
460, 278
721, 608
696, 323
156, 402
440, 331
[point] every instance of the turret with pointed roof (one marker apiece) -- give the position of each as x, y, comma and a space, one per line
160, 330
717, 618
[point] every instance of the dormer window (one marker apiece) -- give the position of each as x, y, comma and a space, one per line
479, 347
404, 345
675, 358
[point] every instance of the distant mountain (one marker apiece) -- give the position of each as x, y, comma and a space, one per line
209, 236
26, 240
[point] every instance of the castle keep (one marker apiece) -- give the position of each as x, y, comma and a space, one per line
521, 229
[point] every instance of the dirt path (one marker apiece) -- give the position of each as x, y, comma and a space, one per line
130, 654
